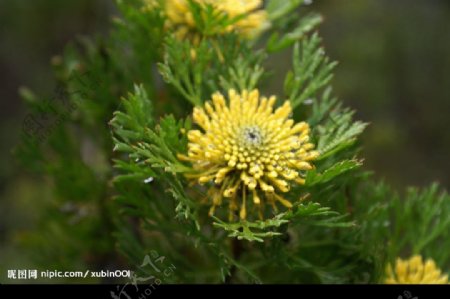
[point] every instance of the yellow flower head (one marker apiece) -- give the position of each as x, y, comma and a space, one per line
246, 148
414, 271
181, 19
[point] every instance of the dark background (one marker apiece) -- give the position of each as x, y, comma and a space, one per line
394, 69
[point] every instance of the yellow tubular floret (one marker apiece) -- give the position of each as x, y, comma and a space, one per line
250, 18
414, 271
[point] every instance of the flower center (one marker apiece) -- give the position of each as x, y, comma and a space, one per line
251, 136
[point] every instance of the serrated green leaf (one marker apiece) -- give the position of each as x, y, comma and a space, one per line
314, 178
305, 25
277, 9
252, 231
312, 71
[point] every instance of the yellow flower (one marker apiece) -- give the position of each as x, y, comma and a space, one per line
246, 149
414, 271
181, 20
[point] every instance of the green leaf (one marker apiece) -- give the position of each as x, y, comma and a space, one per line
305, 25
252, 231
417, 222
314, 214
243, 73
337, 131
314, 178
277, 9
130, 124
184, 67
312, 70
219, 64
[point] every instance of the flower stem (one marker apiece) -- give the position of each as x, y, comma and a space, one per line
236, 249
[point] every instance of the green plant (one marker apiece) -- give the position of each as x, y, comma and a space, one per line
119, 181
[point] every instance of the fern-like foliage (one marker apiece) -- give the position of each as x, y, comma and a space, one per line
119, 181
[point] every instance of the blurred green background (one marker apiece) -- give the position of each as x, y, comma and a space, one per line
394, 70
